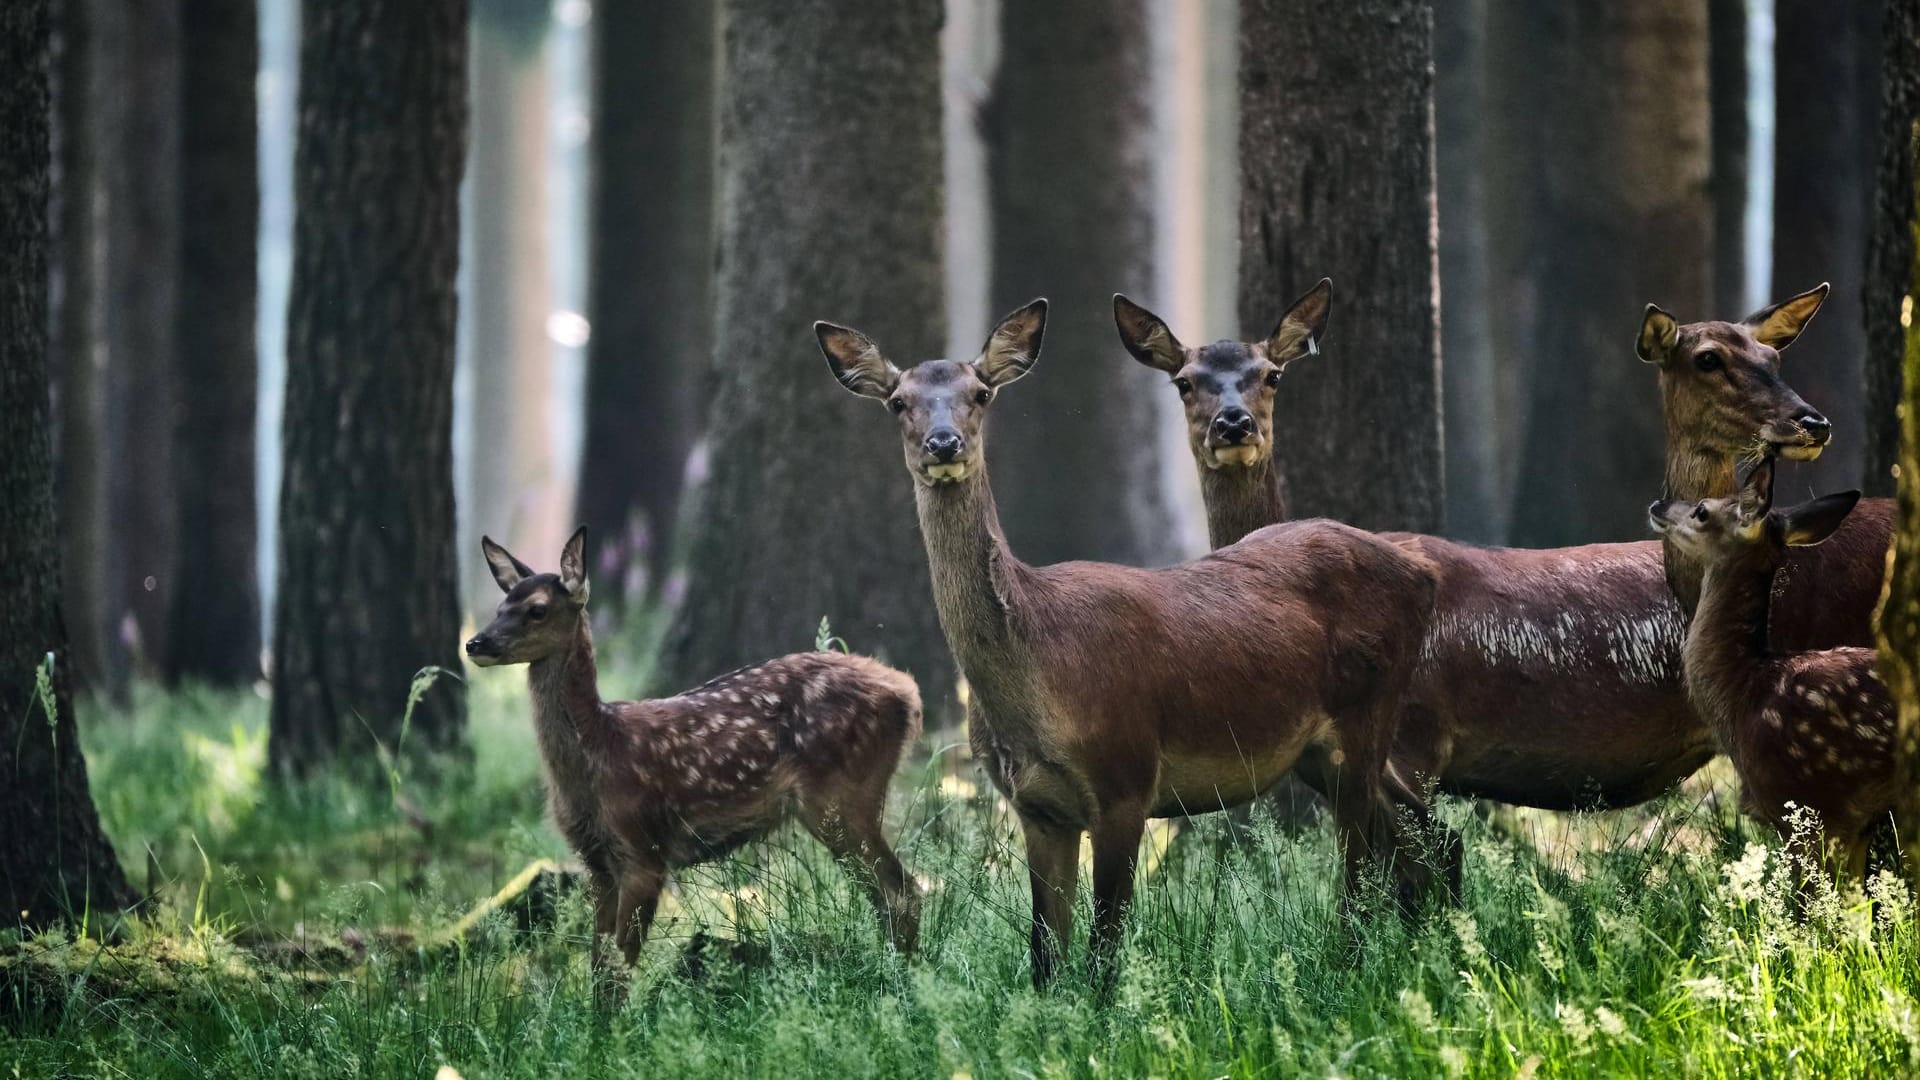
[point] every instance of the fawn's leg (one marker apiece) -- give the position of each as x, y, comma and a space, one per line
639, 896
1053, 869
606, 901
1116, 849
859, 844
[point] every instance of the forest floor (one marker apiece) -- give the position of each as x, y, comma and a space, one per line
328, 930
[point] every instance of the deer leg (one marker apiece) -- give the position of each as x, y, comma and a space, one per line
606, 901
639, 896
860, 846
1116, 850
1053, 869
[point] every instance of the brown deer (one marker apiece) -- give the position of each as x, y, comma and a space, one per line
1105, 695
1809, 729
642, 788
1547, 678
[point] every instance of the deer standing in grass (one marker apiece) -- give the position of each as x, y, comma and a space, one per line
643, 788
1105, 695
1810, 729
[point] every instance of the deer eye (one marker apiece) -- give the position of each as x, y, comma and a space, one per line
1273, 377
537, 612
1700, 514
1184, 386
898, 405
1707, 361
983, 396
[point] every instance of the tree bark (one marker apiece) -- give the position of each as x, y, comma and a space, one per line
1728, 89
215, 614
55, 862
1480, 435
1597, 195
1337, 179
831, 204
1826, 89
1068, 134
367, 583
651, 287
1890, 244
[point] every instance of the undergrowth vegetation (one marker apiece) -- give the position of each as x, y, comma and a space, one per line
311, 931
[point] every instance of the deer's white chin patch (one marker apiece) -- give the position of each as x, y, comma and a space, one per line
948, 473
1797, 451
1243, 457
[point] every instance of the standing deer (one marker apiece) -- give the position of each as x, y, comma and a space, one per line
1547, 678
1811, 729
1105, 695
642, 788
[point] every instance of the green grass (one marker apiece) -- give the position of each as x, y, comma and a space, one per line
1656, 942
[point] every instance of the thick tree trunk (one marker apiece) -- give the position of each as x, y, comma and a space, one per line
1597, 197
54, 860
367, 582
1890, 246
1728, 90
1826, 90
1337, 179
1068, 135
1479, 429
651, 286
215, 618
808, 511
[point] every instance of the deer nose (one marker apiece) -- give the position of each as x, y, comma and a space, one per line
1817, 427
1232, 424
944, 445
476, 646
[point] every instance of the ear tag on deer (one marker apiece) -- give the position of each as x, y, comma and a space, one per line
1313, 347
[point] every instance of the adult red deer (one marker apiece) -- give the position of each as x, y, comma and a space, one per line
1105, 695
1808, 729
641, 788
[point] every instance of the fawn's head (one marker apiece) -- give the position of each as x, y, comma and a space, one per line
541, 612
1720, 382
1744, 527
941, 405
1228, 388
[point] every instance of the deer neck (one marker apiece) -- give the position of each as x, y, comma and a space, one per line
977, 582
1239, 501
1725, 655
567, 711
1694, 471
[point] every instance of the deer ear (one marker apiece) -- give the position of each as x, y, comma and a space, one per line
856, 361
507, 570
1753, 487
1146, 336
1303, 327
1811, 522
1658, 334
1014, 346
1779, 325
573, 567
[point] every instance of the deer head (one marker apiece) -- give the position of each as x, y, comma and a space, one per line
1720, 382
941, 404
1228, 388
540, 616
1744, 528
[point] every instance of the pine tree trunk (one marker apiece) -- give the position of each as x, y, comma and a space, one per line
1599, 159
809, 511
1890, 245
1337, 179
1728, 89
215, 617
651, 287
1826, 90
1479, 431
367, 582
1068, 135
54, 860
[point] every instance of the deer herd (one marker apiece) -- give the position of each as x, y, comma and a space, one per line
1376, 667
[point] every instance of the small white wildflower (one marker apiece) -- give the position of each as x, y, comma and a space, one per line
1708, 989
1573, 1021
1468, 932
1892, 903
1418, 1009
1609, 1022
1454, 1060
1744, 879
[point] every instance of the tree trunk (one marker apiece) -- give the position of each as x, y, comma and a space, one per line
1728, 90
1890, 247
54, 860
1599, 154
1479, 431
1826, 90
215, 617
808, 511
651, 287
76, 356
367, 589
1068, 135
1337, 179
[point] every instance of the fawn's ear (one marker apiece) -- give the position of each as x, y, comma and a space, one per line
1303, 327
1779, 325
1753, 488
507, 570
856, 361
1658, 333
1811, 522
573, 567
1014, 346
1147, 337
